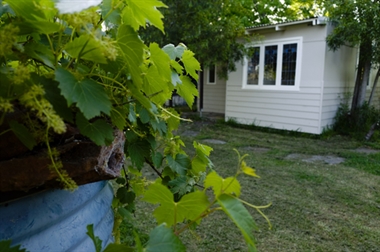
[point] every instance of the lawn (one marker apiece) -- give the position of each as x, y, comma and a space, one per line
325, 193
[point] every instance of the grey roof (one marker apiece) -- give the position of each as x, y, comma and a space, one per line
314, 21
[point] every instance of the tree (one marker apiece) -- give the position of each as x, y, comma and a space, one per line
357, 24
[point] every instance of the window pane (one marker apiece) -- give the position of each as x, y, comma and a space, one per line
270, 65
253, 67
211, 74
289, 60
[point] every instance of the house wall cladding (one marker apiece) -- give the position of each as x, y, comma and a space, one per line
214, 95
308, 108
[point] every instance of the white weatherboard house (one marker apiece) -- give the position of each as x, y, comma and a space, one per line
292, 82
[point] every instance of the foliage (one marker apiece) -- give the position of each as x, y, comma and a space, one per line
357, 24
89, 69
219, 26
357, 124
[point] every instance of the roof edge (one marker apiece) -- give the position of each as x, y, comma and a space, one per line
281, 26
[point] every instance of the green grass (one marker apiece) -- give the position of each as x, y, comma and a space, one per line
315, 206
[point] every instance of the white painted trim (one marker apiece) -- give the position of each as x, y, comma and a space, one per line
277, 86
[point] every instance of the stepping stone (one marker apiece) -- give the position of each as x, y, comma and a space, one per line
214, 141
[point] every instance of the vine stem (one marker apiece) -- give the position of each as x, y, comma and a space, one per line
257, 209
171, 114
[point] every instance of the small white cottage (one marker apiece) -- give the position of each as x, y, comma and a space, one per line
293, 80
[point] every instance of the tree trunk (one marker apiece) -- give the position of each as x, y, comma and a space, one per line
84, 162
362, 78
374, 86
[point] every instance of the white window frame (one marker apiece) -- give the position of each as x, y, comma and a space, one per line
208, 76
280, 45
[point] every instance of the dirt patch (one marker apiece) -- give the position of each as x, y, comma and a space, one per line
331, 160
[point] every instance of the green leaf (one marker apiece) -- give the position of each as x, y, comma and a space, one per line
173, 121
157, 159
23, 134
248, 170
180, 164
158, 193
90, 96
113, 247
162, 239
191, 206
109, 12
29, 10
161, 60
40, 52
240, 216
188, 208
159, 125
138, 151
138, 12
125, 196
53, 95
97, 242
191, 64
118, 115
174, 51
132, 49
179, 185
99, 131
201, 160
220, 186
175, 78
144, 115
156, 87
5, 246
86, 47
187, 90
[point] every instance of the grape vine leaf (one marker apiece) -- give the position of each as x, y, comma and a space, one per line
179, 185
132, 49
155, 86
90, 96
5, 246
162, 238
236, 211
157, 159
125, 196
99, 131
220, 186
174, 51
180, 164
187, 90
86, 47
40, 52
248, 170
52, 94
188, 208
161, 60
23, 134
118, 115
138, 12
96, 240
110, 12
201, 160
139, 150
113, 247
191, 64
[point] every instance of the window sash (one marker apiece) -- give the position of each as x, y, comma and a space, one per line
274, 64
